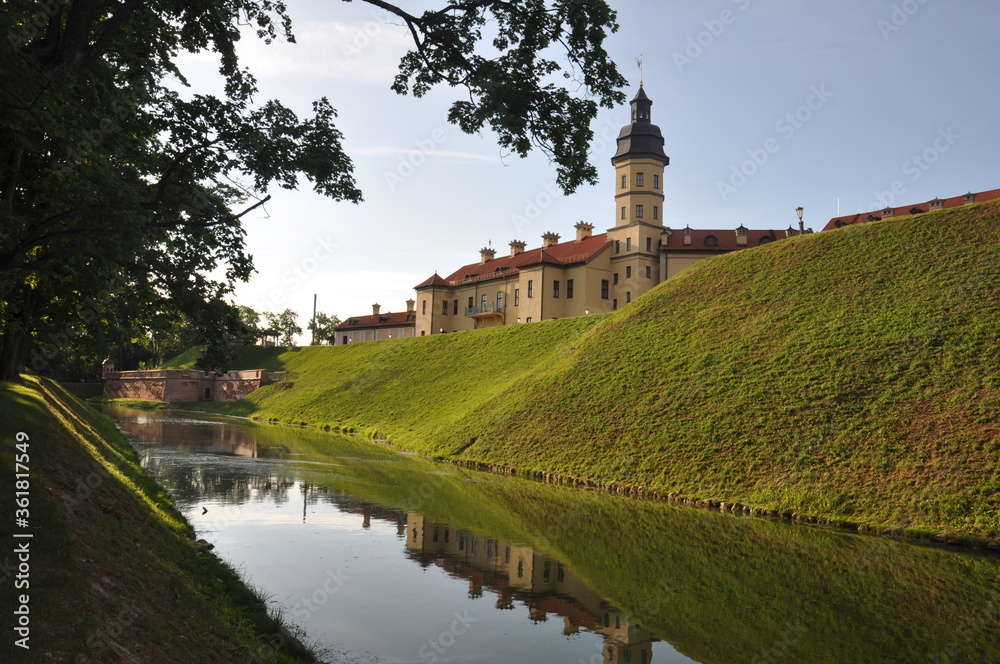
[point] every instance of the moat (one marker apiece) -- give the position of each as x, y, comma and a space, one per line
382, 556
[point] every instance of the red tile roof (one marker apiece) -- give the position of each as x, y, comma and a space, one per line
903, 210
725, 240
564, 253
372, 321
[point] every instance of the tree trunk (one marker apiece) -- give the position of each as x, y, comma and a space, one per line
13, 351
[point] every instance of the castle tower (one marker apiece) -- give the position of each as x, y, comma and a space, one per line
639, 164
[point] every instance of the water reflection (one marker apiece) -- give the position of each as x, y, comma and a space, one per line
519, 574
548, 573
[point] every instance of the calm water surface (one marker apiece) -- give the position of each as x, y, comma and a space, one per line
387, 557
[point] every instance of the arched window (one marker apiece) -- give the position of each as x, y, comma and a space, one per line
766, 239
711, 241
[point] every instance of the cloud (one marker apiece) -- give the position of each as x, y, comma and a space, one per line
366, 51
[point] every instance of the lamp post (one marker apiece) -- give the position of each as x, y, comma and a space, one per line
802, 225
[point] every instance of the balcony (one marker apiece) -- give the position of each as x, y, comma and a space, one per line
484, 311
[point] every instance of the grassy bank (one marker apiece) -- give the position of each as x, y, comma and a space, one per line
114, 574
852, 375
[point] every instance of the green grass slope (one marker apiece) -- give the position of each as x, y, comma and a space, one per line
852, 375
113, 574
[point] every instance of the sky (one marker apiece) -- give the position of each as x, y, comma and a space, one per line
765, 105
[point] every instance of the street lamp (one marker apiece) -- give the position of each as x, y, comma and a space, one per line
802, 226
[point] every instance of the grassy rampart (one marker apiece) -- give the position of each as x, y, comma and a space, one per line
852, 375
113, 574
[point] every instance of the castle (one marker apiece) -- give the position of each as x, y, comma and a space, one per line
590, 273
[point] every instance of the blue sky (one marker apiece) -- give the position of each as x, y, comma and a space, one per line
765, 105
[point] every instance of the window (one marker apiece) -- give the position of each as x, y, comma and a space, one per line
444, 307
656, 212
628, 241
711, 241
628, 296
517, 296
528, 319
624, 181
649, 242
656, 181
604, 289
614, 304
618, 246
555, 288
640, 179
628, 271
483, 301
638, 212
344, 340
454, 309
423, 307
649, 272
471, 301
623, 212
499, 300
569, 289
616, 278
531, 288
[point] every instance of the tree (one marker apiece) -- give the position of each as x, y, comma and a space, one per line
322, 328
117, 194
284, 324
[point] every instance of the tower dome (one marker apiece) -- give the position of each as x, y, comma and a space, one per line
641, 137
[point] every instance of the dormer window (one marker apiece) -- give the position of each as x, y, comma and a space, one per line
711, 241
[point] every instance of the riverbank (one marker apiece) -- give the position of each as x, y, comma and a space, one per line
851, 377
113, 574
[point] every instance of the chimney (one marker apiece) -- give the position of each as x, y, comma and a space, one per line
888, 213
936, 204
741, 236
411, 306
687, 236
375, 309
583, 230
970, 198
516, 247
790, 232
549, 239
487, 254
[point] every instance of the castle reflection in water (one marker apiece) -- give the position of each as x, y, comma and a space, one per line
517, 574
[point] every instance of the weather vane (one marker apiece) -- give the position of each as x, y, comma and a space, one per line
638, 61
